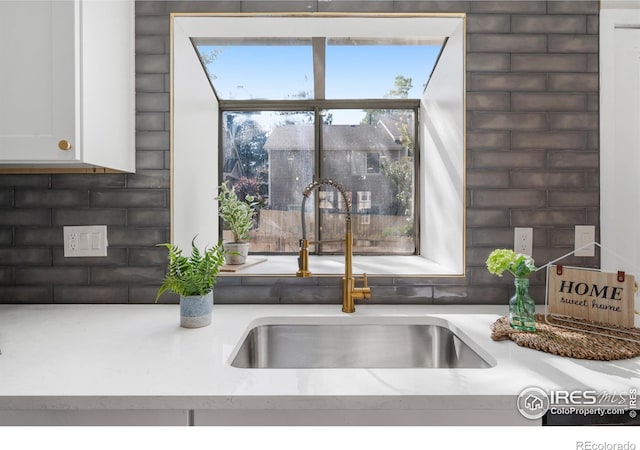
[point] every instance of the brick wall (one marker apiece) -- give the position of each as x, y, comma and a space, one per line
532, 160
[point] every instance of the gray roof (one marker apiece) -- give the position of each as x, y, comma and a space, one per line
336, 137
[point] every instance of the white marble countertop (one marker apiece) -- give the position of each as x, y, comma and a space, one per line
138, 357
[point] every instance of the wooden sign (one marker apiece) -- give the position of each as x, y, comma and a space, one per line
588, 294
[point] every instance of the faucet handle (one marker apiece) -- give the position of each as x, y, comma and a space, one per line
365, 289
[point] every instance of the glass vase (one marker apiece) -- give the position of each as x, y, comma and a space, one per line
522, 308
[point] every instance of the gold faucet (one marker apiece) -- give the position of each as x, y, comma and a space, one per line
350, 292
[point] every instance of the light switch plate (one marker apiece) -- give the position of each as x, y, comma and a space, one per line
585, 234
85, 241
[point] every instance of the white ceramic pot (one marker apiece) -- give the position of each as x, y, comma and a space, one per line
195, 310
235, 252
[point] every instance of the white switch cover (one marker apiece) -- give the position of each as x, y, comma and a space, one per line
585, 234
85, 241
523, 240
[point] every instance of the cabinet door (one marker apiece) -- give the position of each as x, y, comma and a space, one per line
37, 80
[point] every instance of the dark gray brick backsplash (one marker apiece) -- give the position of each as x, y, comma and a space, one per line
152, 64
51, 275
571, 44
6, 237
152, 102
573, 82
126, 275
508, 159
128, 198
574, 121
6, 198
549, 63
149, 159
486, 101
547, 179
492, 237
147, 294
132, 237
14, 256
148, 179
487, 218
508, 82
508, 7
487, 140
487, 178
115, 257
507, 121
152, 140
143, 217
573, 160
153, 121
6, 275
94, 216
532, 137
506, 43
26, 294
152, 24
548, 102
549, 140
549, 24
547, 217
87, 181
488, 23
574, 7
570, 198
151, 82
25, 217
332, 6
151, 45
148, 256
58, 198
509, 197
24, 181
38, 236
488, 62
90, 294
183, 6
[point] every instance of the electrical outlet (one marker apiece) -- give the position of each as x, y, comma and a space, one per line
523, 240
585, 235
85, 241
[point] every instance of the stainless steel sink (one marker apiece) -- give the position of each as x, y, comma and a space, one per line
355, 345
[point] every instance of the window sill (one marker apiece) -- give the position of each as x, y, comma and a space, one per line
287, 265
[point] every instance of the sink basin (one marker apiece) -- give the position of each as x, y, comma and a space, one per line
355, 345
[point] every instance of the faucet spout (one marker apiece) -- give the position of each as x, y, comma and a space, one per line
349, 290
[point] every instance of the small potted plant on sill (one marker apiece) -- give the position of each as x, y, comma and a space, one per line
237, 215
192, 278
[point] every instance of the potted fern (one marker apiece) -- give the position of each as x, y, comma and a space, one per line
192, 278
237, 215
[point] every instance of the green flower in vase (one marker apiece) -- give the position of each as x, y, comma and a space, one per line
501, 259
522, 308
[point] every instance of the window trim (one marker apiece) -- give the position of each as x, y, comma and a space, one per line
193, 108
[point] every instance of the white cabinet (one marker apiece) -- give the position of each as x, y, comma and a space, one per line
67, 84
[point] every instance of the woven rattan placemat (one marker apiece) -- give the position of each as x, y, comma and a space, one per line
574, 344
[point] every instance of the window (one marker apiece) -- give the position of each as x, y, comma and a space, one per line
279, 133
312, 114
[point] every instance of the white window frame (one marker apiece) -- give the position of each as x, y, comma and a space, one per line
194, 133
